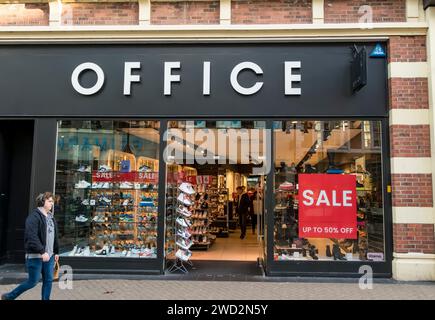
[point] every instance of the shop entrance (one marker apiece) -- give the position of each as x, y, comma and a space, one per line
16, 144
215, 191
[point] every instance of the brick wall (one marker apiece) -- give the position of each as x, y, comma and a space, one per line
24, 14
412, 190
410, 140
414, 238
346, 11
185, 12
272, 11
409, 93
109, 13
407, 49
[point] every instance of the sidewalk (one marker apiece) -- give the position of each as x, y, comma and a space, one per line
110, 287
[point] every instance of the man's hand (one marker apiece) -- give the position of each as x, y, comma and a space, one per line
56, 258
45, 257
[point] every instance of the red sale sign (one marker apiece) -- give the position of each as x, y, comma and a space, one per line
327, 206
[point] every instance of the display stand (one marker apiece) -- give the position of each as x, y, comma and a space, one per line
182, 236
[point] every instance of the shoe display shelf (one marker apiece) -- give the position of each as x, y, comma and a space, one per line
183, 223
220, 224
202, 239
121, 217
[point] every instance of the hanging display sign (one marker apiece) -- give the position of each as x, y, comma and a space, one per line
327, 206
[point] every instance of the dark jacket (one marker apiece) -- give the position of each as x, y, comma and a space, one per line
244, 205
35, 233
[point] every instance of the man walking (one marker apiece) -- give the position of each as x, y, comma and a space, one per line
42, 249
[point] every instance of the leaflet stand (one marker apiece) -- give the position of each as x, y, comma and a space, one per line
182, 236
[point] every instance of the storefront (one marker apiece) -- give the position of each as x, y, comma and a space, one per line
103, 116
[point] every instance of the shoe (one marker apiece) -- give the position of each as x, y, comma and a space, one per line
286, 186
84, 169
242, 236
337, 253
184, 211
82, 184
99, 218
73, 251
184, 244
87, 252
81, 218
184, 234
105, 185
85, 202
313, 252
126, 185
328, 251
184, 199
104, 168
183, 255
144, 168
102, 252
186, 188
97, 185
183, 222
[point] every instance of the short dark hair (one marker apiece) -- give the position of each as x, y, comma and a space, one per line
42, 197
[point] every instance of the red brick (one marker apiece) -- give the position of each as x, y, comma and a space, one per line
346, 11
408, 93
185, 12
420, 238
407, 49
411, 194
105, 13
24, 14
410, 140
271, 11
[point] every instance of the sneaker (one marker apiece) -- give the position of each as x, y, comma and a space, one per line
99, 219
126, 185
105, 185
129, 253
87, 252
126, 202
183, 255
186, 188
105, 200
97, 185
85, 202
104, 168
137, 186
84, 169
81, 218
184, 199
286, 186
73, 251
184, 244
112, 250
183, 222
82, 184
102, 252
144, 168
184, 234
184, 211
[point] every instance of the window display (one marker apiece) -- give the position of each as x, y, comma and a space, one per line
107, 186
328, 191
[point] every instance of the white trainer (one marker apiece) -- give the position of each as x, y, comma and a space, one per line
187, 188
184, 199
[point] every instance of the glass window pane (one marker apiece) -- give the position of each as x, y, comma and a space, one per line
107, 188
316, 157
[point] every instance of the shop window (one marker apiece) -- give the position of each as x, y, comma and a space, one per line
328, 202
107, 188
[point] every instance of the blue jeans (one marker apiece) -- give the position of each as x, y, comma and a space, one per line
36, 268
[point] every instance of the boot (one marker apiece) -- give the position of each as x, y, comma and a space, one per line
337, 253
313, 253
328, 251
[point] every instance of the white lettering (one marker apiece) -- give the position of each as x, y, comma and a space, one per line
323, 199
334, 199
206, 79
235, 73
289, 78
347, 199
76, 74
128, 77
169, 77
308, 194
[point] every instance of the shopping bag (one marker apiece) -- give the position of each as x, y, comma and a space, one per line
56, 270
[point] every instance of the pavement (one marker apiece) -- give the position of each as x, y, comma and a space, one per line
173, 287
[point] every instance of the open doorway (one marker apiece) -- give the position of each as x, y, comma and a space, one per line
215, 190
